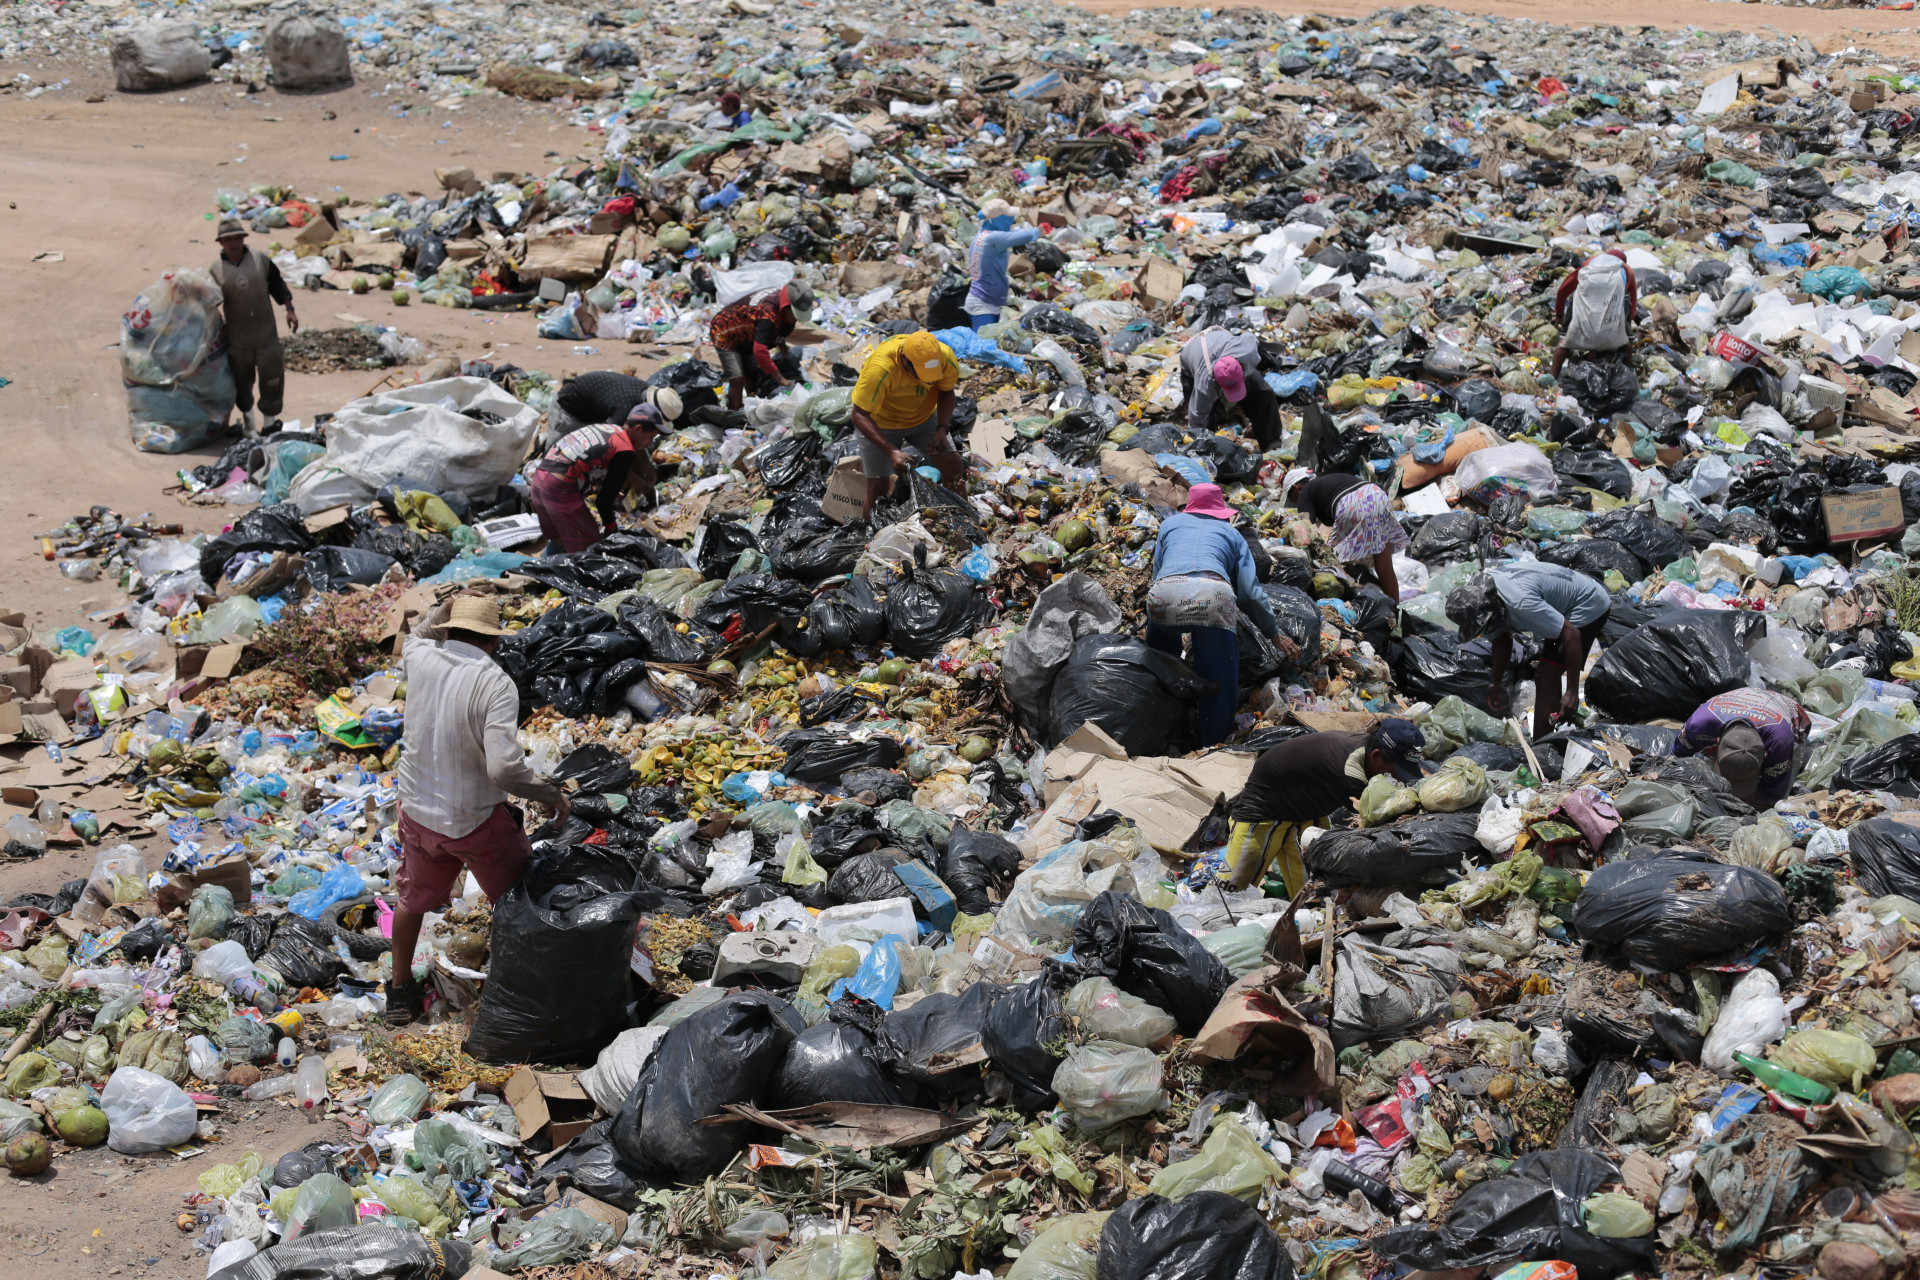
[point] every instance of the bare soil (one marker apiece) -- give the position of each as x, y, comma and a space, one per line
123, 188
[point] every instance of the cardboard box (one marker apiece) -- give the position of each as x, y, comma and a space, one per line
1168, 799
1853, 516
64, 682
549, 1101
846, 493
1161, 281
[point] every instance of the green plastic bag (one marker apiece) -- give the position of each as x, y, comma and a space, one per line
398, 1100
210, 912
834, 1257
157, 1050
48, 957
1105, 1012
1066, 1250
322, 1203
1104, 1082
31, 1071
800, 868
912, 823
1458, 784
1830, 1057
1230, 1161
224, 1179
1044, 1145
15, 1119
1614, 1215
441, 1148
413, 1199
1384, 800
1240, 948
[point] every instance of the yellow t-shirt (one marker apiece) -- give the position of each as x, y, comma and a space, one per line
890, 392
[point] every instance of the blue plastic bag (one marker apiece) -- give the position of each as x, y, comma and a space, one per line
1192, 470
341, 884
968, 345
487, 564
877, 978
1286, 384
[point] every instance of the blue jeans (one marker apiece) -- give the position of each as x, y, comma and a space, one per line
980, 322
1216, 657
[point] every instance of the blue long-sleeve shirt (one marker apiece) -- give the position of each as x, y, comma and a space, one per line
1202, 544
987, 262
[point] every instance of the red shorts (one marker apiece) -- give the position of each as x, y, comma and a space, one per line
496, 851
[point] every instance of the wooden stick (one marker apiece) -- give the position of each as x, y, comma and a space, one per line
1533, 761
33, 1028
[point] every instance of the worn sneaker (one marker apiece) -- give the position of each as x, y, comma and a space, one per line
405, 1004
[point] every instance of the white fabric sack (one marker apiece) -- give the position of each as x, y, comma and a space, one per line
159, 55
307, 51
421, 432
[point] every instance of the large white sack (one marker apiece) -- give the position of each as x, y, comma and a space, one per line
159, 55
422, 432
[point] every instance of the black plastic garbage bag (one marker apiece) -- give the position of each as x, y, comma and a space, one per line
1446, 538
1477, 399
337, 568
847, 617
561, 950
1421, 850
1298, 616
660, 636
839, 1061
1594, 556
1602, 387
761, 599
844, 835
1893, 766
1886, 856
868, 877
1430, 667
939, 1041
1046, 256
592, 1164
1149, 956
1595, 469
281, 528
789, 461
1260, 658
1140, 696
932, 607
1231, 463
817, 757
1656, 542
373, 1251
814, 548
885, 784
1671, 665
1669, 912
1883, 647
947, 301
721, 546
1019, 1027
976, 861
1534, 1212
302, 953
728, 1052
1208, 1235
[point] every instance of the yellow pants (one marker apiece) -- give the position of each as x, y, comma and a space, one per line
1252, 847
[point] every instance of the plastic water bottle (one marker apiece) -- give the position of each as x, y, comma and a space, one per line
310, 1082
272, 1087
254, 992
287, 1051
205, 1060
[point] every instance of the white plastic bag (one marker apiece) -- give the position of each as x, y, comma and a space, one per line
1753, 1017
611, 1077
1598, 319
424, 432
1499, 825
1517, 464
146, 1112
749, 279
173, 359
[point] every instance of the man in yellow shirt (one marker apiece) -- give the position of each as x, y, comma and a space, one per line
905, 397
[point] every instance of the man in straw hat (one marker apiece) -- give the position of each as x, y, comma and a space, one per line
249, 286
462, 760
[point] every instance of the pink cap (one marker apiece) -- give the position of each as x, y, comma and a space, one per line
1206, 500
1231, 379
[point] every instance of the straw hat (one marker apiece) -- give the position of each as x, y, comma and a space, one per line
478, 614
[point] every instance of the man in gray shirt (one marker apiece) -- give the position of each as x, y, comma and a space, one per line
1217, 366
1563, 609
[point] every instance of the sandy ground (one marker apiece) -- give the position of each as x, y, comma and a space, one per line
122, 188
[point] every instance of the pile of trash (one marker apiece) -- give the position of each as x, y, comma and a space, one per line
897, 925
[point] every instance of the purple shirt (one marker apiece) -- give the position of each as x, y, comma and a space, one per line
1780, 720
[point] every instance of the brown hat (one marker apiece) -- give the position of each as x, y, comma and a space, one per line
1741, 755
230, 227
478, 614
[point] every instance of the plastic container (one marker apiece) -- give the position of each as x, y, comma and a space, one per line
310, 1082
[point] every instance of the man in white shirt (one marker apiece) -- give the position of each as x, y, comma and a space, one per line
461, 761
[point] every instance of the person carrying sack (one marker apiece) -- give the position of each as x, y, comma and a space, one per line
1594, 308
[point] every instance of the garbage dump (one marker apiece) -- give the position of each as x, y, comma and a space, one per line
1192, 644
